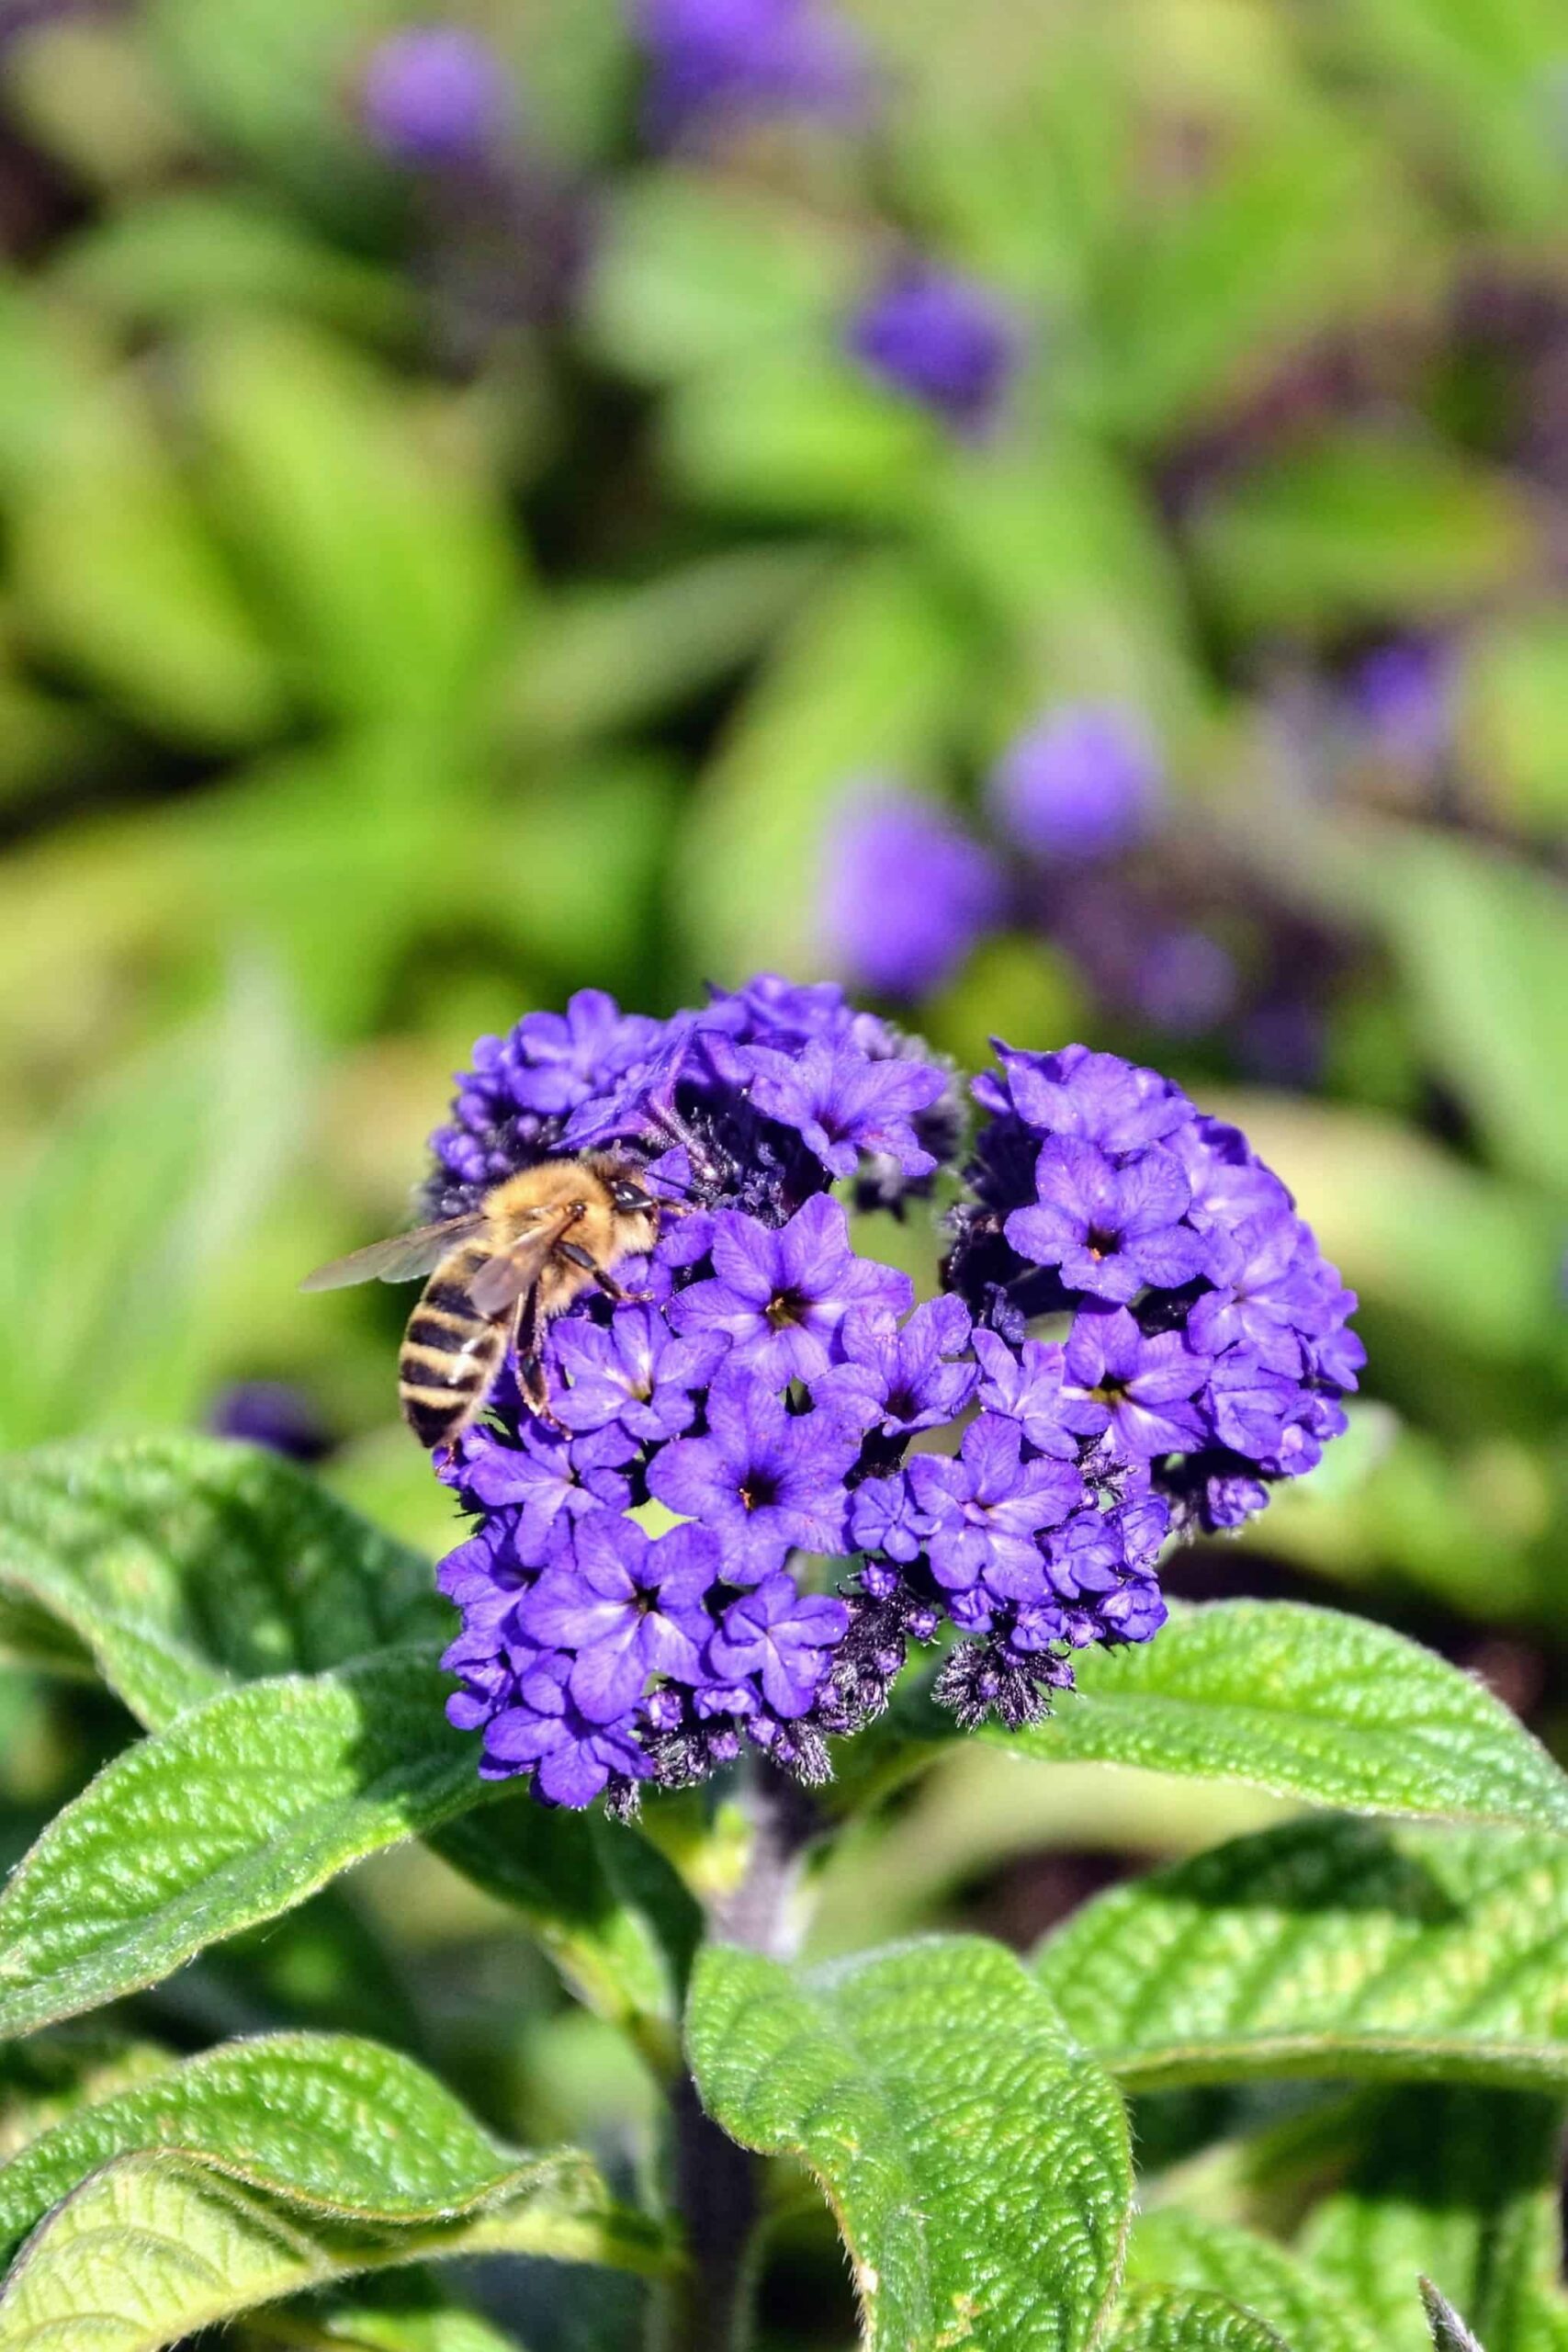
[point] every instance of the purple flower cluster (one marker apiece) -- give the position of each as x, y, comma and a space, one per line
632, 1595
630, 1606
1203, 1355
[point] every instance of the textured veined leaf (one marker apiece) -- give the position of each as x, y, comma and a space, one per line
157, 2245
1171, 2319
237, 1812
1328, 1948
978, 2164
1308, 1702
330, 2122
181, 1562
1172, 2247
1457, 2186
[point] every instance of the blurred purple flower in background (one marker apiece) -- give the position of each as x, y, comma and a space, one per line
943, 339
434, 97
274, 1414
1083, 783
905, 894
1403, 693
1184, 982
715, 62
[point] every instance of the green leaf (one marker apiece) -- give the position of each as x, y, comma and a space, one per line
183, 253
1160, 2319
604, 657
691, 273
388, 560
126, 1216
1327, 1948
331, 2121
977, 2166
1449, 2333
1361, 526
1484, 948
1171, 2247
790, 434
241, 1809
115, 571
159, 2244
406, 2311
603, 1903
182, 1563
1458, 2186
1309, 1704
867, 683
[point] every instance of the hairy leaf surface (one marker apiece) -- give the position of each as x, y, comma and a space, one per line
159, 2244
1328, 1948
1171, 2247
1170, 2319
1310, 1703
181, 1563
976, 2163
237, 1812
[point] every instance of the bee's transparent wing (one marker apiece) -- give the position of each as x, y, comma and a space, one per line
406, 1257
501, 1281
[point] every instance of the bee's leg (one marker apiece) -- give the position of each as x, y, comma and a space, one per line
532, 1385
612, 1289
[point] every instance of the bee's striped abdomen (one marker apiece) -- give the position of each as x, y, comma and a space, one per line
451, 1353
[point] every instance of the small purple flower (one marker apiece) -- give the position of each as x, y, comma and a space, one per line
1083, 783
779, 1296
1136, 1612
716, 63
780, 1635
629, 1608
764, 1479
942, 339
632, 1371
1249, 1406
842, 1105
1024, 1384
574, 1758
900, 1381
988, 1508
433, 96
1121, 1380
1109, 1230
906, 893
1229, 1186
1098, 1097
560, 1058
1267, 1295
546, 1479
885, 1518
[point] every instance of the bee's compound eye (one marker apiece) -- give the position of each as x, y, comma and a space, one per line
631, 1197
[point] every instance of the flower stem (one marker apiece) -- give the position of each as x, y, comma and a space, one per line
718, 2185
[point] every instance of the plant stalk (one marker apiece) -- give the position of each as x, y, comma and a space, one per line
718, 2185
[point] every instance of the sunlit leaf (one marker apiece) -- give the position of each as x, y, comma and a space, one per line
1328, 1948
976, 2164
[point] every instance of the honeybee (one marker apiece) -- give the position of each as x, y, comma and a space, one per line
496, 1276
